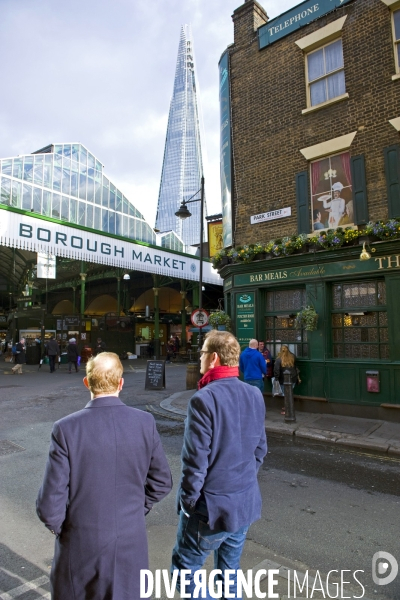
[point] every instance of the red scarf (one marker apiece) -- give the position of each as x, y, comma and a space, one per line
217, 373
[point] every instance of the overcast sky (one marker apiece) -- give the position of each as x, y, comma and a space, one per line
101, 72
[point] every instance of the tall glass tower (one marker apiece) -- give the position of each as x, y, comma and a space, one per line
182, 165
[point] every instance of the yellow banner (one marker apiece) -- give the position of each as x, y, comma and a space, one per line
215, 237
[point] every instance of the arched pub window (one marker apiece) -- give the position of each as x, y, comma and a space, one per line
359, 320
281, 309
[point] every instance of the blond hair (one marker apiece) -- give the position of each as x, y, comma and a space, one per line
287, 358
225, 345
104, 373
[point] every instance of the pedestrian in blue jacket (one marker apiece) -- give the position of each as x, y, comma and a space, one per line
252, 364
223, 448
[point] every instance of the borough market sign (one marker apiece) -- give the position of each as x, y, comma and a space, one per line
293, 19
39, 235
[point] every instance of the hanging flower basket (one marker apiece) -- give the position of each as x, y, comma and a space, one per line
219, 318
307, 319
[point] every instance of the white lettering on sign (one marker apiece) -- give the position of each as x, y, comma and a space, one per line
284, 24
271, 215
50, 238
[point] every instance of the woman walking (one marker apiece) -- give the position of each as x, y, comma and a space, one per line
72, 351
285, 362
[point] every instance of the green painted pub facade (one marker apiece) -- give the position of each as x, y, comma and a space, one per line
353, 357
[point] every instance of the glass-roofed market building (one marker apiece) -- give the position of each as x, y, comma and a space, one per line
66, 182
73, 249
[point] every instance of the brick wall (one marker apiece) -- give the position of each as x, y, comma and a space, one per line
268, 94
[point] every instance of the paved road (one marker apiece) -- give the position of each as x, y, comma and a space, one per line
323, 508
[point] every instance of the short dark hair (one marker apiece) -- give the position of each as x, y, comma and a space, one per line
315, 213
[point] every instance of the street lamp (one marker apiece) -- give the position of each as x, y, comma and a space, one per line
184, 213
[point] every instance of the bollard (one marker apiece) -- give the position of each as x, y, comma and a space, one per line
192, 375
290, 416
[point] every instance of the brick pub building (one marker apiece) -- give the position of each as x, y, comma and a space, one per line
310, 121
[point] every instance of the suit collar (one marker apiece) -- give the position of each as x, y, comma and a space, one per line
104, 401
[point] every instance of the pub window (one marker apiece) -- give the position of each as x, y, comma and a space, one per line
396, 38
331, 192
281, 309
325, 73
359, 321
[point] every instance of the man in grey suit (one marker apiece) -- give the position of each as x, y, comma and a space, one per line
106, 468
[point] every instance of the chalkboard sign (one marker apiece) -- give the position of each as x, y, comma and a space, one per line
155, 375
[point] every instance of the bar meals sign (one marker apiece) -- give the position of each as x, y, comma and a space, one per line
293, 19
271, 215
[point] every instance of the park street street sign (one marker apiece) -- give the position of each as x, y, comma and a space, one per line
271, 215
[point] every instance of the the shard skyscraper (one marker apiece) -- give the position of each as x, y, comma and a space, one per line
182, 165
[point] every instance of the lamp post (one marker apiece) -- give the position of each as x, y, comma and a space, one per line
184, 213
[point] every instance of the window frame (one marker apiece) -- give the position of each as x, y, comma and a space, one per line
325, 76
350, 312
314, 41
396, 42
289, 314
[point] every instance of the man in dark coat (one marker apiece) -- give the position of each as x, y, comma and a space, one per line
223, 448
106, 469
52, 352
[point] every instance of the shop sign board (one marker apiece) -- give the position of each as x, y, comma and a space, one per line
46, 265
333, 269
294, 19
40, 235
271, 215
245, 318
155, 375
68, 322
